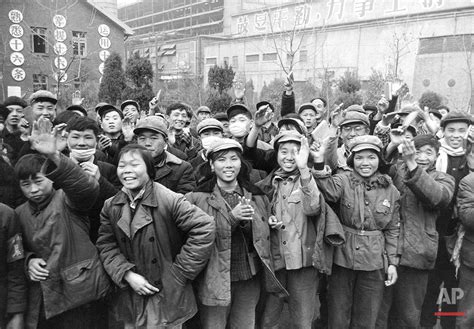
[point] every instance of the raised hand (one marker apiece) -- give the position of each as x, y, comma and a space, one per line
382, 105
289, 80
43, 138
239, 89
76, 98
91, 169
302, 155
408, 154
337, 115
104, 142
318, 149
263, 115
127, 128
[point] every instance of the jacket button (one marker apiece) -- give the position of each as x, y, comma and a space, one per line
284, 242
151, 239
154, 260
366, 203
283, 227
284, 197
157, 284
357, 248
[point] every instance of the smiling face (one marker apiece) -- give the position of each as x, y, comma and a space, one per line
351, 130
153, 141
111, 123
37, 188
46, 110
286, 156
426, 156
177, 119
227, 166
454, 133
132, 171
366, 163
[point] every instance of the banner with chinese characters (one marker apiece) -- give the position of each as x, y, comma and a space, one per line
318, 14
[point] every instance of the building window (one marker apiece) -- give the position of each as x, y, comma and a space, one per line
40, 82
252, 58
38, 40
235, 62
303, 56
446, 44
269, 57
211, 61
79, 43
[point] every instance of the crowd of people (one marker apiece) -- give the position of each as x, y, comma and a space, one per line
354, 217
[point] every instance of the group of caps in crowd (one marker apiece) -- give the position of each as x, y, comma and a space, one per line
137, 220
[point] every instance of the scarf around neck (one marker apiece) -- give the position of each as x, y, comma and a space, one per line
444, 151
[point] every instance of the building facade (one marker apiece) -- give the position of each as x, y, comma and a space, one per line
426, 43
55, 45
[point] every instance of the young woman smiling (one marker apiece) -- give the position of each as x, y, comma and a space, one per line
368, 205
229, 288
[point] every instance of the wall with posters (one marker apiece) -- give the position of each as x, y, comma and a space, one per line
46, 45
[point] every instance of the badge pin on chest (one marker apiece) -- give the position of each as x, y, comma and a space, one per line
386, 203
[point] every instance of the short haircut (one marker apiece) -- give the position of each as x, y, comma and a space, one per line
82, 124
29, 166
145, 155
65, 117
177, 106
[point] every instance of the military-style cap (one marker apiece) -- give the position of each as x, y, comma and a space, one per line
237, 109
107, 108
210, 123
203, 109
287, 136
456, 116
354, 116
129, 102
366, 142
43, 96
307, 106
153, 123
223, 144
15, 100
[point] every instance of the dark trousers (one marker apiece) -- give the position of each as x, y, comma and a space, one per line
354, 297
443, 273
240, 314
466, 304
302, 285
78, 318
402, 302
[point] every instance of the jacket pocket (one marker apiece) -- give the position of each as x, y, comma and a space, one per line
85, 281
420, 250
382, 215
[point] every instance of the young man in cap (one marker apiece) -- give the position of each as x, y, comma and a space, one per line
78, 109
353, 122
209, 130
451, 160
179, 136
170, 171
43, 105
240, 124
203, 112
425, 192
112, 140
15, 128
130, 110
268, 130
